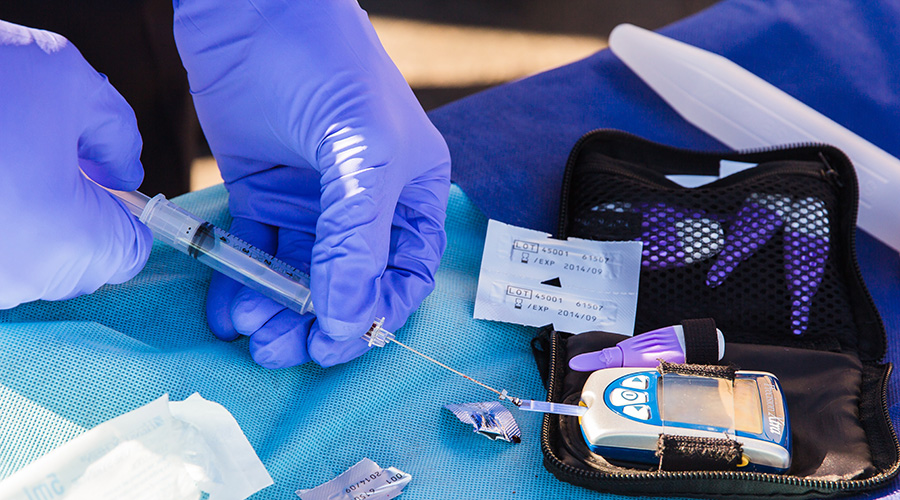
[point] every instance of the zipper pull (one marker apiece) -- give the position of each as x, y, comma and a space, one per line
829, 173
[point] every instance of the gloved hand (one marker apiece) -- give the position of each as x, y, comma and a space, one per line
330, 164
63, 235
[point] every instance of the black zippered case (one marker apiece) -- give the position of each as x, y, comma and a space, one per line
769, 254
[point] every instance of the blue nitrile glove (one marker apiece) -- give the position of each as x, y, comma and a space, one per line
329, 161
63, 235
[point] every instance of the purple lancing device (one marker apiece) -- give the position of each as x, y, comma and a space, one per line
644, 350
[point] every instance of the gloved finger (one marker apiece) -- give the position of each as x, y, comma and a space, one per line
134, 253
326, 351
110, 139
417, 244
114, 245
295, 246
350, 253
282, 341
223, 290
250, 310
358, 207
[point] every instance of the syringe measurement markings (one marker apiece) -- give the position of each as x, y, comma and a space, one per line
206, 234
260, 256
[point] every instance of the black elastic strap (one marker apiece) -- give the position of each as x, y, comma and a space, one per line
724, 372
701, 344
681, 453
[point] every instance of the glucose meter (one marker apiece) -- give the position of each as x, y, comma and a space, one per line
628, 409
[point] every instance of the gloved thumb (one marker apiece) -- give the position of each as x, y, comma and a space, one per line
109, 150
109, 147
128, 241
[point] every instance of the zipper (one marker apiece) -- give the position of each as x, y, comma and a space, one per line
886, 415
830, 174
842, 182
635, 476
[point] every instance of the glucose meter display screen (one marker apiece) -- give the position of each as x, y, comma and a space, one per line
709, 402
747, 406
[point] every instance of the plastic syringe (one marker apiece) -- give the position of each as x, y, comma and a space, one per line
221, 250
228, 254
265, 274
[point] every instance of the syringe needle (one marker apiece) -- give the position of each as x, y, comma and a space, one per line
461, 374
246, 264
380, 337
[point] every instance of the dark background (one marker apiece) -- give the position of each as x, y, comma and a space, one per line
131, 42
586, 17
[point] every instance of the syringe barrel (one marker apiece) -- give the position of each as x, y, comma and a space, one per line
169, 223
227, 254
